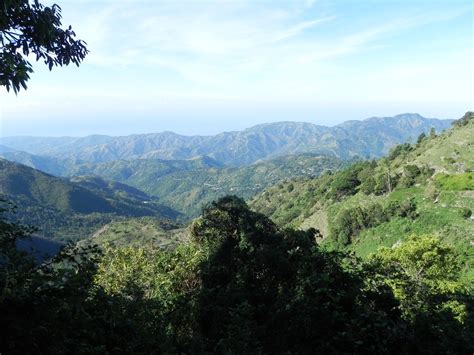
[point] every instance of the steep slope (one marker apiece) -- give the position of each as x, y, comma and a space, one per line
66, 210
372, 138
110, 189
422, 188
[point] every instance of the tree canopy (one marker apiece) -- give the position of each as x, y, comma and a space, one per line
34, 30
240, 285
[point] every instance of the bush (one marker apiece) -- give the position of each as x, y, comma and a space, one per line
466, 212
346, 182
464, 120
458, 182
349, 222
399, 150
404, 209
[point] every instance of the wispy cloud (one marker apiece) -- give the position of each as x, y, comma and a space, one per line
217, 43
148, 52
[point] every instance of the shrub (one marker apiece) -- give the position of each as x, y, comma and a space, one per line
349, 222
466, 212
399, 150
458, 182
346, 182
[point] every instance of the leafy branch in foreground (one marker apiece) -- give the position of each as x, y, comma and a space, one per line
33, 29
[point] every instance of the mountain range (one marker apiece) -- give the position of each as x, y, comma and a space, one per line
369, 138
82, 183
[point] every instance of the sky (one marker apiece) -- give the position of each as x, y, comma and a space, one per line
203, 67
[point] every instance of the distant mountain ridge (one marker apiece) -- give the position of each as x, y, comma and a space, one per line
371, 138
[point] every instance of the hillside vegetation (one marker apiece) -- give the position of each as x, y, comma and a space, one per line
419, 188
140, 232
198, 169
238, 285
71, 210
186, 185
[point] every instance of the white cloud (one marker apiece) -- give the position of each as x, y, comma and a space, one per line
248, 51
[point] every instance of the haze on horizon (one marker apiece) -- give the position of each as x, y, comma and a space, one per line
210, 66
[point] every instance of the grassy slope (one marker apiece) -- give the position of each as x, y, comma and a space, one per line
140, 231
440, 199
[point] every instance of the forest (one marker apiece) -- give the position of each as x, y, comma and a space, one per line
239, 285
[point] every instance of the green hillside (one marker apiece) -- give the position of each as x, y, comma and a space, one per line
139, 232
186, 185
65, 210
109, 188
422, 188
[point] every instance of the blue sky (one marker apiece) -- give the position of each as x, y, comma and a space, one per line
202, 67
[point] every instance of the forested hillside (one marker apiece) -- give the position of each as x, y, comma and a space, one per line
66, 210
186, 185
421, 188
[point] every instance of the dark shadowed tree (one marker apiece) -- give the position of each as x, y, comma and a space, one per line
32, 29
274, 291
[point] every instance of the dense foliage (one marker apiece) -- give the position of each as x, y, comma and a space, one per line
348, 223
30, 28
241, 285
424, 275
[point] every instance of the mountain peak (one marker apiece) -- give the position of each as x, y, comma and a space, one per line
372, 137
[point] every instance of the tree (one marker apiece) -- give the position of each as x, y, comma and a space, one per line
33, 29
387, 173
421, 137
346, 182
410, 174
464, 120
270, 290
425, 277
